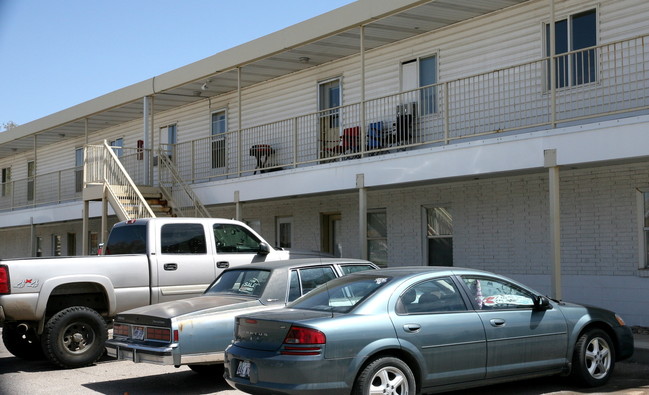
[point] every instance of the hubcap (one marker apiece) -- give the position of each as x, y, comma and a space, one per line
598, 358
389, 380
77, 337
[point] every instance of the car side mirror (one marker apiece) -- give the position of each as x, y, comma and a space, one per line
541, 303
264, 249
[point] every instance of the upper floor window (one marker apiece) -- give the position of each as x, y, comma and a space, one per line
118, 146
6, 181
219, 128
421, 73
572, 35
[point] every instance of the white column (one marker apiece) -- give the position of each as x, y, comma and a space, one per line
550, 157
362, 215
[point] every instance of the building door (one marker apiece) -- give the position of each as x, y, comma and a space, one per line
284, 232
219, 127
329, 101
331, 235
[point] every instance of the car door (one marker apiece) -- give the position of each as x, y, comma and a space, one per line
520, 338
235, 245
432, 317
185, 266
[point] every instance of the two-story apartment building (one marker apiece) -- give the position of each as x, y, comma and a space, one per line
507, 135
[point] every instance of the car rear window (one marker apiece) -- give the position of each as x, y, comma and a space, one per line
342, 294
249, 282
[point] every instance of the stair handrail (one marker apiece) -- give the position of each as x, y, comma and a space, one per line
111, 172
176, 200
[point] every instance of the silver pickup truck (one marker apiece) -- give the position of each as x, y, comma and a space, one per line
61, 307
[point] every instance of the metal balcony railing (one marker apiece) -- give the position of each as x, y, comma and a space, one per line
597, 83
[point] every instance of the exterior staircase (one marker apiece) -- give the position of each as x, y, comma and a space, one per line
106, 179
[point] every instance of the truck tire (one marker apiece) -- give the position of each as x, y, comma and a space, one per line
74, 337
22, 345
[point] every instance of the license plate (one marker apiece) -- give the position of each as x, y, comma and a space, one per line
138, 332
243, 370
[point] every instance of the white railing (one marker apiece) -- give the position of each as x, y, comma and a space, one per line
184, 201
102, 166
591, 84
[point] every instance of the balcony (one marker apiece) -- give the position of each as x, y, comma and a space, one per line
604, 82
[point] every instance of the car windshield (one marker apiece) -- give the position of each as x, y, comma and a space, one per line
341, 294
250, 282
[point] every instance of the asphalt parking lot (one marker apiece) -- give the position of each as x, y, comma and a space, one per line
108, 376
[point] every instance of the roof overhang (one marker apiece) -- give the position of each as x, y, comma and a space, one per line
322, 39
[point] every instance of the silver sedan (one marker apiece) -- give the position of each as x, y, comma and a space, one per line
196, 331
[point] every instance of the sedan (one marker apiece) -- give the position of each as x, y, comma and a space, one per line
196, 331
421, 329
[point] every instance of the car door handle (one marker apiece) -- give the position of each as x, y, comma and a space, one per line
170, 266
412, 328
497, 322
222, 264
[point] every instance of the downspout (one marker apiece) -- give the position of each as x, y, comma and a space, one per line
146, 137
240, 153
363, 134
553, 71
86, 204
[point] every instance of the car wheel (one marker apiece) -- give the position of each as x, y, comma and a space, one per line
215, 370
75, 337
594, 358
22, 345
386, 375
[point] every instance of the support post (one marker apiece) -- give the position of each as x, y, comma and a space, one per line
362, 215
550, 158
237, 204
84, 227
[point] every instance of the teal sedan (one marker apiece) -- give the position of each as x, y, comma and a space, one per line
421, 329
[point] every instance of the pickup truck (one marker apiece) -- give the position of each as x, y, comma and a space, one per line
61, 307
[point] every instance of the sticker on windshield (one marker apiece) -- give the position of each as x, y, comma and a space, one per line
381, 280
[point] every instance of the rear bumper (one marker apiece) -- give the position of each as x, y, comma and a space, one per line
168, 355
142, 353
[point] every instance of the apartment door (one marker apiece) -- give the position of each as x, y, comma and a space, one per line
329, 100
331, 235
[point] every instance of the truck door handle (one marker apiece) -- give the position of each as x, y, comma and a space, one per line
223, 264
412, 328
170, 266
497, 322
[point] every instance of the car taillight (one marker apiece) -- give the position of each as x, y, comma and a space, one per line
303, 341
120, 330
4, 280
158, 334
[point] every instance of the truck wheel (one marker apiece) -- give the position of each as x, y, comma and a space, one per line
22, 345
75, 337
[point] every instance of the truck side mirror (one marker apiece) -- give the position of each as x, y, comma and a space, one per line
264, 249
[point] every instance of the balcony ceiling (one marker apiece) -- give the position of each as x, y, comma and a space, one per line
257, 63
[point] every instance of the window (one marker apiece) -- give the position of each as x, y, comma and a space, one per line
431, 296
307, 279
118, 145
78, 171
574, 33
31, 172
491, 293
56, 245
232, 238
93, 243
182, 239
219, 128
439, 236
284, 232
331, 234
421, 73
250, 282
6, 181
377, 237
329, 102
